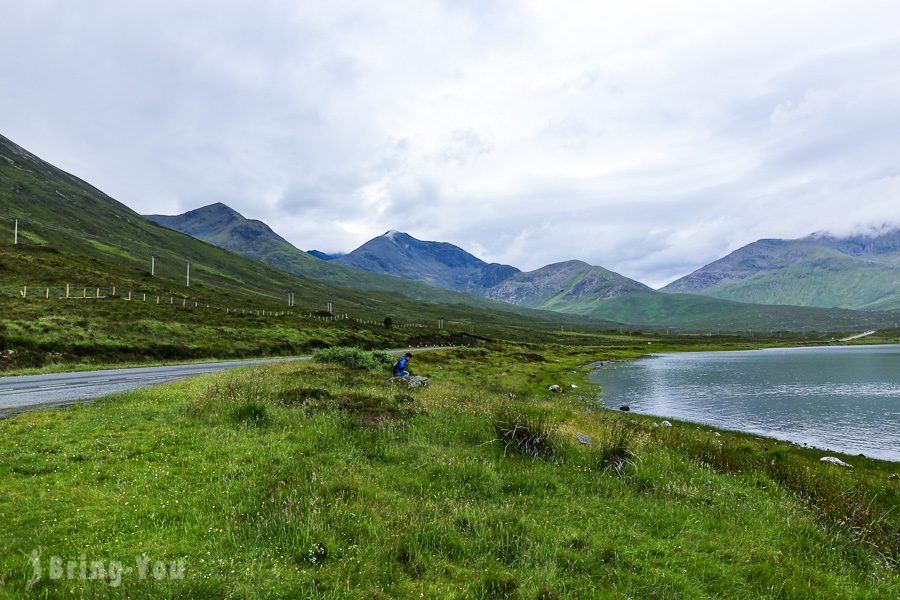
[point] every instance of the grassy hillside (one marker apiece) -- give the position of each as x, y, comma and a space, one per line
321, 481
696, 313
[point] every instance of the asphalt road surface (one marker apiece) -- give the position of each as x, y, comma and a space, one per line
54, 389
57, 389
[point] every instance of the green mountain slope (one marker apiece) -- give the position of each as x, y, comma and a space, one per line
579, 288
859, 272
72, 233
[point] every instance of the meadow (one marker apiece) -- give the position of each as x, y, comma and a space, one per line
321, 480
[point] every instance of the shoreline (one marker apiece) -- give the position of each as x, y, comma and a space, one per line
755, 435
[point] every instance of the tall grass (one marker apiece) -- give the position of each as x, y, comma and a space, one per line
534, 436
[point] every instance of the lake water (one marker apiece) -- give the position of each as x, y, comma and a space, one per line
845, 399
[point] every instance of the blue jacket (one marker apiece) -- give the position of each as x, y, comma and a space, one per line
401, 364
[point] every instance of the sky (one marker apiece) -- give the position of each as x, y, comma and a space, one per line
647, 137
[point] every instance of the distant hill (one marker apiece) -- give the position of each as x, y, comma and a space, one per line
560, 282
579, 288
436, 263
859, 272
324, 255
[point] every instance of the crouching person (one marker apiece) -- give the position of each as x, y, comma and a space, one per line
400, 367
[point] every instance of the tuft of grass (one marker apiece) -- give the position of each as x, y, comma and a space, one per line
251, 413
533, 436
615, 448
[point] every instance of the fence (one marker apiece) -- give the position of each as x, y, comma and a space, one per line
92, 292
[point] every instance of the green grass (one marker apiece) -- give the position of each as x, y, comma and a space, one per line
317, 480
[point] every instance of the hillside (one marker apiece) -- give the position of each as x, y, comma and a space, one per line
579, 288
858, 272
72, 235
563, 281
439, 264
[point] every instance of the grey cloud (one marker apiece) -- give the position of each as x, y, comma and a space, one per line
649, 144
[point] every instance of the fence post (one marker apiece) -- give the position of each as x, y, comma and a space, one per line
48, 293
24, 292
98, 292
67, 291
114, 291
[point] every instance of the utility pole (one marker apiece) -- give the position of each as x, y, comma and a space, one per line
152, 266
189, 274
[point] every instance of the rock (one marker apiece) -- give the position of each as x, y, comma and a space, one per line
412, 381
717, 434
583, 438
893, 476
554, 388
835, 461
665, 424
574, 387
625, 407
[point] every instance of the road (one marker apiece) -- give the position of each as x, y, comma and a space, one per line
857, 336
57, 389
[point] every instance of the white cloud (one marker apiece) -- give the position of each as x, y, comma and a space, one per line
648, 137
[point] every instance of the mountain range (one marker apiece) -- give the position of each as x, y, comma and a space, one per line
571, 287
71, 231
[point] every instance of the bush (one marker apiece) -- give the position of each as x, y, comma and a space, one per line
354, 358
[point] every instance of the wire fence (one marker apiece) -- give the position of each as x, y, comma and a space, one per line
71, 292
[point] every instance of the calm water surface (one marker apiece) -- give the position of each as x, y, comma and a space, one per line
845, 398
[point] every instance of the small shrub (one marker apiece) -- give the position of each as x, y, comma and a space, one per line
353, 358
532, 436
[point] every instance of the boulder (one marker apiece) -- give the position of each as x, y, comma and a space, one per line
412, 381
665, 424
835, 461
625, 407
554, 388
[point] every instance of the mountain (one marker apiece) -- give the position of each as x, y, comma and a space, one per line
324, 255
439, 264
579, 288
859, 272
562, 282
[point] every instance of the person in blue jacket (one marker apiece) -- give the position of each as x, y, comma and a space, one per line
400, 366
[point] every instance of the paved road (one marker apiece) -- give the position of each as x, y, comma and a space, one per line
55, 389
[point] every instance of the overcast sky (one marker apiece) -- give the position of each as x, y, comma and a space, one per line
647, 137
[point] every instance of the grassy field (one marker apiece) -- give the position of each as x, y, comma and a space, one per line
321, 481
